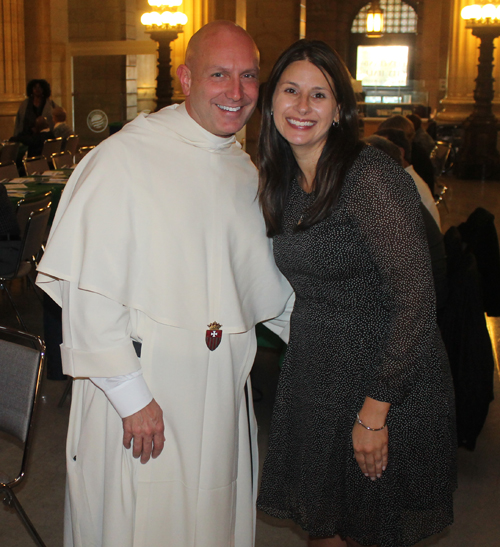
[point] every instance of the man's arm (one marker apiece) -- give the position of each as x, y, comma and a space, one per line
97, 344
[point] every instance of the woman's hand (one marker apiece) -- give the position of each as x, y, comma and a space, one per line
371, 447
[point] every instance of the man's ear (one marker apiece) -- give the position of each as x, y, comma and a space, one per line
184, 75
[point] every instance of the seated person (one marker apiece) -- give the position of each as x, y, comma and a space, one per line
421, 136
420, 158
61, 128
37, 104
35, 141
435, 239
10, 240
398, 137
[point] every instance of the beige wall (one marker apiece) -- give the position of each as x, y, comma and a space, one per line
55, 30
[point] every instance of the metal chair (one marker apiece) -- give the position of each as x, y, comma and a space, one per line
72, 144
440, 157
8, 170
9, 152
26, 206
36, 165
82, 152
20, 375
63, 159
31, 244
52, 146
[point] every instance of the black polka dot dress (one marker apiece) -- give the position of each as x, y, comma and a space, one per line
363, 325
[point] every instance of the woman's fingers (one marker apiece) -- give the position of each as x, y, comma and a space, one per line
370, 450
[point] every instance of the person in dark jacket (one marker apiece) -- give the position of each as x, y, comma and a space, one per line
10, 240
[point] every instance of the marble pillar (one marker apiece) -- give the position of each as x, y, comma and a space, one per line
462, 71
12, 63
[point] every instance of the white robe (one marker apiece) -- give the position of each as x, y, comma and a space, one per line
158, 234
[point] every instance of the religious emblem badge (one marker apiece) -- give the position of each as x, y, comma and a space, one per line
213, 336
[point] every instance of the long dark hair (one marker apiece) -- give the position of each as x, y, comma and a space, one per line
277, 164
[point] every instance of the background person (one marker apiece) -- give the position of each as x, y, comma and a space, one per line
37, 104
421, 136
362, 445
61, 128
398, 137
420, 158
10, 240
35, 141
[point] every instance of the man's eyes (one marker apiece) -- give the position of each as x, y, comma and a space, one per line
247, 76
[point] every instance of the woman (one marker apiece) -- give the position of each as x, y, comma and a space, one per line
37, 104
362, 445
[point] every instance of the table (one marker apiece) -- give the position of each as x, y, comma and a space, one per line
37, 185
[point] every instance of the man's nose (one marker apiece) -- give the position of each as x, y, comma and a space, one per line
235, 90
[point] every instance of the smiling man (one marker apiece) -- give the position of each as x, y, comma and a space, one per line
159, 258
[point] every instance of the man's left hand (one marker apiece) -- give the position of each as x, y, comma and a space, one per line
146, 428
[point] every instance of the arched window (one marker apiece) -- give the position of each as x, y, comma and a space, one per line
385, 65
398, 18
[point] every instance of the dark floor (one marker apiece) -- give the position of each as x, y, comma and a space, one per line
476, 502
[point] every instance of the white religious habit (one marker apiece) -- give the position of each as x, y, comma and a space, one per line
158, 234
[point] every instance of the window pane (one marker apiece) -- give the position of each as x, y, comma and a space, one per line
398, 18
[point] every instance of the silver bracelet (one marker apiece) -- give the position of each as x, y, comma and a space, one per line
358, 419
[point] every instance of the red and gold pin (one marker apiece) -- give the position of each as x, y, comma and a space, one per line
213, 336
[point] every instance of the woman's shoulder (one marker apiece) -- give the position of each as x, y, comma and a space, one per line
371, 157
375, 173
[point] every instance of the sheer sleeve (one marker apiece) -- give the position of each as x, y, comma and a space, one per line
383, 204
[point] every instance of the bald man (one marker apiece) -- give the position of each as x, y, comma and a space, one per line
159, 259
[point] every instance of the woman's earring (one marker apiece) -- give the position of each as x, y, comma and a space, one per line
272, 112
335, 123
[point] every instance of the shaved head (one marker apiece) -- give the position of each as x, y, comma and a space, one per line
206, 34
220, 77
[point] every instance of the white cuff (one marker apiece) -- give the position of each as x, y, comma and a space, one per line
128, 394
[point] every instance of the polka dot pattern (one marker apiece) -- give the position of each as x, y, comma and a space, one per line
363, 325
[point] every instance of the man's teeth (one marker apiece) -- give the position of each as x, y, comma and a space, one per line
301, 124
229, 108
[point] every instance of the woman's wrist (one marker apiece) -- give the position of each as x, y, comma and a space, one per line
373, 414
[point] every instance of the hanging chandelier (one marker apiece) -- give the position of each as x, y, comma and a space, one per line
374, 20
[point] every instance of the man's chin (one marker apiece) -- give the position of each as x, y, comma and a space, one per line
228, 130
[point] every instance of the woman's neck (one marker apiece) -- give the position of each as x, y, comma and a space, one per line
307, 163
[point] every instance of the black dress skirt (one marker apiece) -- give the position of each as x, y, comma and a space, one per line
363, 325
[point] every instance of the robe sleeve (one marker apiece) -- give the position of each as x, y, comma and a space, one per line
97, 344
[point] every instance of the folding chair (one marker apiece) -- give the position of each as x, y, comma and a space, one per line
36, 165
9, 152
71, 145
52, 146
27, 206
440, 157
20, 375
63, 159
82, 152
31, 244
8, 170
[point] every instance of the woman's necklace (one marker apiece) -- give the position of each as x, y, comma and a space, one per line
309, 198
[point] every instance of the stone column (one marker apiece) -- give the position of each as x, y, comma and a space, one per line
463, 55
12, 64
